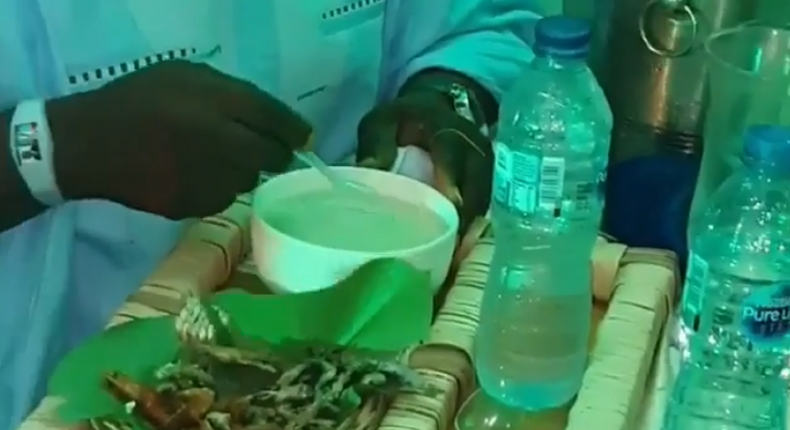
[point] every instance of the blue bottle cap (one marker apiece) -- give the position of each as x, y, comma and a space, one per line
562, 36
767, 146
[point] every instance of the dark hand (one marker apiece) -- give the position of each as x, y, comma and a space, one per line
177, 139
462, 156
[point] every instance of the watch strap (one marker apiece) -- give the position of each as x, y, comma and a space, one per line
31, 146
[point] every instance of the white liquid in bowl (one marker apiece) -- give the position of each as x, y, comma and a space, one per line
354, 221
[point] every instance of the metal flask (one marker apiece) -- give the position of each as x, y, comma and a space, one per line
650, 60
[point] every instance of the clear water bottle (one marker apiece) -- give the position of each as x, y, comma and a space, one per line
739, 293
551, 156
688, 313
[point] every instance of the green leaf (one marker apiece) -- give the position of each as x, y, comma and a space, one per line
136, 349
384, 305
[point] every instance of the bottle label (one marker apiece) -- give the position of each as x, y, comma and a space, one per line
525, 183
515, 179
584, 197
765, 314
693, 290
600, 182
552, 181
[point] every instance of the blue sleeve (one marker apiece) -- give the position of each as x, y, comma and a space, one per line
487, 40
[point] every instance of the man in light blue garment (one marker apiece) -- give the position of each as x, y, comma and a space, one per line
120, 118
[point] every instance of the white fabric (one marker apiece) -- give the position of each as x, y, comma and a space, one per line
320, 57
66, 272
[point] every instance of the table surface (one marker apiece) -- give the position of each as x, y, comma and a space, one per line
554, 419
43, 418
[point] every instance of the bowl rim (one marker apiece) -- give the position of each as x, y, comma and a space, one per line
452, 225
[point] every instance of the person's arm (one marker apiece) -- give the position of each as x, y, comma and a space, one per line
481, 44
17, 204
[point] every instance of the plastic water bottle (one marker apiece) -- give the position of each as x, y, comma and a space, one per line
551, 155
738, 291
688, 313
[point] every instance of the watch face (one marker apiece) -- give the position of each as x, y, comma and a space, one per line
32, 152
465, 104
461, 102
26, 146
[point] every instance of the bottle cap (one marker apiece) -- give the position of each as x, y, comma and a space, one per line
562, 36
767, 146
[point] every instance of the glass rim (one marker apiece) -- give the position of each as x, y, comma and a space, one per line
753, 24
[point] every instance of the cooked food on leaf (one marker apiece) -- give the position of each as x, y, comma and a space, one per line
217, 387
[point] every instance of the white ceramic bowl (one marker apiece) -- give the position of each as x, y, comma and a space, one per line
290, 265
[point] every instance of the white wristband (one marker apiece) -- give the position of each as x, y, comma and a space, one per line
31, 146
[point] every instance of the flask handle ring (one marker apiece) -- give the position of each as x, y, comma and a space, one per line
666, 52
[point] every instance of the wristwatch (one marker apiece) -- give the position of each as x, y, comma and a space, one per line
32, 147
465, 104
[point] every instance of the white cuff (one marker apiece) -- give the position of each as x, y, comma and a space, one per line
32, 147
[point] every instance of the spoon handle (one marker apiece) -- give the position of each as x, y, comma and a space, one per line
311, 159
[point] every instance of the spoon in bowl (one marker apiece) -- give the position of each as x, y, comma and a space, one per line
337, 180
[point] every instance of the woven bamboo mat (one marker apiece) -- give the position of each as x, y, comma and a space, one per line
637, 284
634, 290
664, 368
